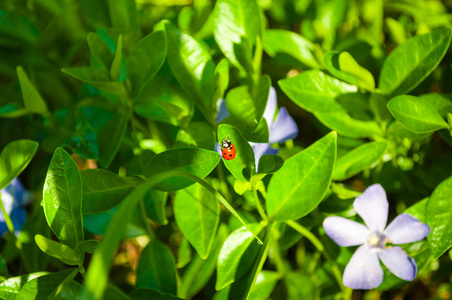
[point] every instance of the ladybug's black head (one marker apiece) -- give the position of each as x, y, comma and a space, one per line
225, 143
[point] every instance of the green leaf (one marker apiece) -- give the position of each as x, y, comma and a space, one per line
157, 269
99, 50
184, 255
237, 255
358, 159
14, 158
199, 271
197, 214
103, 189
155, 202
289, 48
32, 99
410, 63
234, 21
242, 165
315, 91
293, 282
442, 102
331, 61
299, 186
221, 80
123, 14
270, 163
193, 68
47, 286
110, 136
264, 286
62, 199
196, 161
97, 78
145, 294
146, 59
88, 246
11, 286
349, 65
197, 134
347, 126
416, 114
115, 69
57, 250
439, 218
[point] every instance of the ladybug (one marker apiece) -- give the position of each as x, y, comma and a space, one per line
228, 149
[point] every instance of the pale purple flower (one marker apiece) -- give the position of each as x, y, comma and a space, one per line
377, 242
14, 196
281, 129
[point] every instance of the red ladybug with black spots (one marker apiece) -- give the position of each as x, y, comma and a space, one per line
228, 149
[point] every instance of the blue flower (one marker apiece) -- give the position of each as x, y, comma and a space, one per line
364, 270
14, 196
281, 129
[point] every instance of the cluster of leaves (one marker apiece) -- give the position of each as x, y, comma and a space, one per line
133, 86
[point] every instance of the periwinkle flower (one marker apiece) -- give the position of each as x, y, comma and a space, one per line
14, 196
377, 242
281, 129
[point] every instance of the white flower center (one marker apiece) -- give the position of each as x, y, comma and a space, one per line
377, 240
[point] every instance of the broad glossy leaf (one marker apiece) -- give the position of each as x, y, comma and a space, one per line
115, 69
289, 47
57, 250
193, 68
442, 102
242, 165
145, 294
358, 159
99, 50
315, 91
154, 203
109, 138
235, 20
97, 78
32, 99
196, 161
47, 286
157, 269
439, 218
62, 199
14, 158
411, 62
270, 163
349, 65
11, 286
347, 126
146, 59
199, 271
221, 79
416, 114
299, 186
103, 189
264, 285
197, 214
331, 61
197, 134
87, 246
184, 254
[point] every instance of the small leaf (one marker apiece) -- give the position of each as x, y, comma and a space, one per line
32, 99
299, 186
88, 246
348, 64
57, 250
123, 14
103, 189
155, 202
14, 158
197, 134
410, 63
358, 159
157, 269
115, 69
197, 214
270, 163
110, 136
315, 91
99, 50
264, 286
242, 165
290, 48
196, 161
146, 59
11, 286
416, 114
62, 199
439, 218
47, 286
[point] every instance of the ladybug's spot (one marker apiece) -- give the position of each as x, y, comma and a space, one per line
230, 155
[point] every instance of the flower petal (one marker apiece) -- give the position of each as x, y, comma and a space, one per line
261, 149
345, 232
18, 216
372, 206
284, 128
399, 263
363, 271
269, 113
222, 110
406, 229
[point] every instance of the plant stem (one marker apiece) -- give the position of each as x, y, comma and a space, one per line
17, 243
279, 262
144, 217
260, 209
346, 292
